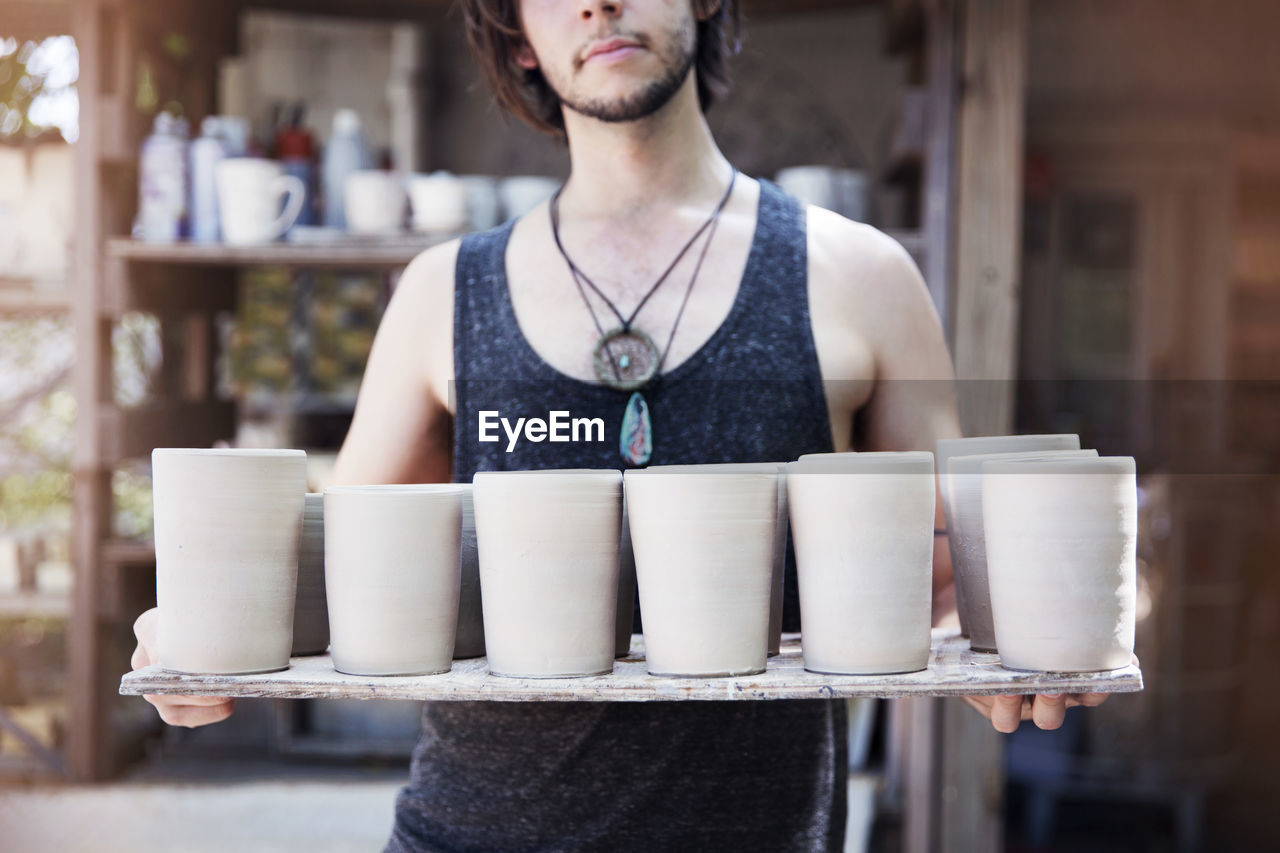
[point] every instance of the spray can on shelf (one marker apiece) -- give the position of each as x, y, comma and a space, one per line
162, 182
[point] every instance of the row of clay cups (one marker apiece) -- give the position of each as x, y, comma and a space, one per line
1043, 540
250, 569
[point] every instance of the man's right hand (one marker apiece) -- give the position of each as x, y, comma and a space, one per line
189, 711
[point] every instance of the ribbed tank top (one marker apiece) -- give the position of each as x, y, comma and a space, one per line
742, 775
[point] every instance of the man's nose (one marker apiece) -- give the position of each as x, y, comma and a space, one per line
589, 9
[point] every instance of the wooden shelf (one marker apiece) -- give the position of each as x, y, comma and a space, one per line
953, 670
390, 253
24, 301
34, 604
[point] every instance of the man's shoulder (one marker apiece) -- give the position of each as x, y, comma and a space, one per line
847, 242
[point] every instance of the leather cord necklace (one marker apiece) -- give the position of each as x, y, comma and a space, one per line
626, 358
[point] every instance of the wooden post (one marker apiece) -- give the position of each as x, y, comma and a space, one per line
988, 230
988, 212
91, 501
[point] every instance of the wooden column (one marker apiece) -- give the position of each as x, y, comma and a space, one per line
988, 211
954, 785
92, 22
988, 232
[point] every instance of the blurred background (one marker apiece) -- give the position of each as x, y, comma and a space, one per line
1091, 189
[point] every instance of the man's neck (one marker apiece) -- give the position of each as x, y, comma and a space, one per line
640, 169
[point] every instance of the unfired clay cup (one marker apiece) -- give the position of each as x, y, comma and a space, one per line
469, 641
227, 524
310, 611
391, 568
1061, 540
779, 536
548, 543
968, 546
948, 447
863, 530
704, 543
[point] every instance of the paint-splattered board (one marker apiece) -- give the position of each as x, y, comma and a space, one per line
953, 670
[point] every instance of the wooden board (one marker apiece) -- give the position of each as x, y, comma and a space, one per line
349, 253
953, 670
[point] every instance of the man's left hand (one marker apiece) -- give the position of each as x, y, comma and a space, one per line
1006, 713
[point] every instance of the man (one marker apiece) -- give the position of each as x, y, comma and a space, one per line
774, 327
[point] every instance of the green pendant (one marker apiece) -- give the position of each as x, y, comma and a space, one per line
636, 441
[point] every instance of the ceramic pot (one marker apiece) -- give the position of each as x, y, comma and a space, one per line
968, 545
626, 587
469, 640
392, 572
311, 610
863, 530
704, 543
548, 543
1061, 538
227, 524
948, 447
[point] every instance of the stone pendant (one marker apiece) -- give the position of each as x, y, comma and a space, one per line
636, 441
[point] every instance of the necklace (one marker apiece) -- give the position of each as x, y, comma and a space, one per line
625, 358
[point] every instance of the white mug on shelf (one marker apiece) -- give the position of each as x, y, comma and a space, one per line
439, 202
375, 202
249, 193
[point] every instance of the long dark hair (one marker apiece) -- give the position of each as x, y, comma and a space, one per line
494, 33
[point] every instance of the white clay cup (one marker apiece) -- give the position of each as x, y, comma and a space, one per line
392, 572
311, 609
1061, 538
968, 544
948, 447
548, 546
863, 530
781, 526
704, 544
227, 525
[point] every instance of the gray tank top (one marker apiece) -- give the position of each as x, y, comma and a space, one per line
745, 775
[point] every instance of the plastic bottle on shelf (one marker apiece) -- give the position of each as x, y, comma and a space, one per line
205, 154
345, 153
162, 182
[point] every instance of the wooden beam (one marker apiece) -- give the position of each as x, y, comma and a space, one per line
988, 212
34, 20
86, 733
988, 228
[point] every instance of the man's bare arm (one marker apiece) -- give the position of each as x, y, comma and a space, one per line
874, 318
400, 433
402, 429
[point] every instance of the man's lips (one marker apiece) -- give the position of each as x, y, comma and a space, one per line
614, 48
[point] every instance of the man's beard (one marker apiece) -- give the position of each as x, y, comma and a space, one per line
653, 97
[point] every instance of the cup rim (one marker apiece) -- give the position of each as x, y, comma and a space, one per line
584, 473
279, 452
972, 463
889, 461
394, 489
960, 441
1121, 465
